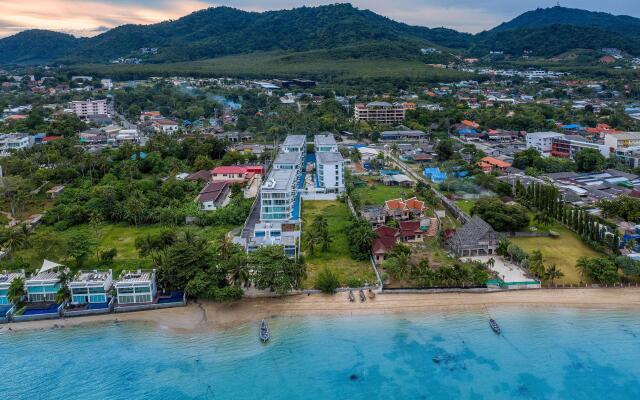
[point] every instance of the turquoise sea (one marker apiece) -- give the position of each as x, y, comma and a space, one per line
543, 354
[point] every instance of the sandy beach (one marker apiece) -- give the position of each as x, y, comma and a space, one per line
208, 315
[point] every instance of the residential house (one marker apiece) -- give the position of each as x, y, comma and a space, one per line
91, 287
136, 287
243, 175
55, 191
165, 125
44, 286
385, 242
490, 164
374, 214
213, 196
400, 210
475, 238
411, 231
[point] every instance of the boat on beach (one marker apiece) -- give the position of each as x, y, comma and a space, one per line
494, 326
371, 294
363, 298
264, 331
352, 298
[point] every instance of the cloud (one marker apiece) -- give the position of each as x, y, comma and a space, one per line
90, 17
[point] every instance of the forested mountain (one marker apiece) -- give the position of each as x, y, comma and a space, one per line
36, 46
546, 17
340, 29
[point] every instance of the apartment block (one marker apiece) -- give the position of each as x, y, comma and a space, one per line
380, 112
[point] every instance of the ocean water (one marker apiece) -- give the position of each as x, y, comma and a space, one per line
542, 354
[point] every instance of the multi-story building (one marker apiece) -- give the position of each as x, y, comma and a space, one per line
43, 287
289, 161
91, 287
14, 141
629, 156
616, 141
324, 143
542, 141
294, 144
136, 287
330, 171
380, 112
568, 145
90, 107
278, 197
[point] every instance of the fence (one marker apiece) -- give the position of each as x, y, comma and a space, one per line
526, 234
318, 196
98, 311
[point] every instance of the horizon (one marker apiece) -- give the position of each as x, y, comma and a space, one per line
462, 15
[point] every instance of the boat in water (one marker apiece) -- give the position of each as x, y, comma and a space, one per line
352, 298
264, 331
494, 326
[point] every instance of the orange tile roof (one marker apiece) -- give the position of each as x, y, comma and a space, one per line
493, 162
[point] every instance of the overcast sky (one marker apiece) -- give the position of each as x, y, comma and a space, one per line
90, 17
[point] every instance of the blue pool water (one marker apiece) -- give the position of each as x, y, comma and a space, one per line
544, 354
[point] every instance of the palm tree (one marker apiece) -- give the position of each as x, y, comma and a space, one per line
583, 265
64, 277
239, 273
13, 240
552, 273
503, 247
16, 290
311, 240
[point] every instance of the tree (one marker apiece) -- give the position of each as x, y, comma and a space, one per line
79, 246
360, 237
13, 239
327, 281
239, 273
589, 160
552, 273
64, 293
444, 149
275, 271
500, 216
16, 290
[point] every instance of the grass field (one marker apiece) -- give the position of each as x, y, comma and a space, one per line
119, 236
465, 205
377, 193
337, 258
563, 251
320, 64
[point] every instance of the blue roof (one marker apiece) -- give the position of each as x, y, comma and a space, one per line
571, 126
389, 172
467, 131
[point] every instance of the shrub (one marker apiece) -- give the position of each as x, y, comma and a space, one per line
327, 281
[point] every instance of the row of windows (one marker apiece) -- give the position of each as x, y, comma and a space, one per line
87, 290
37, 297
135, 299
139, 289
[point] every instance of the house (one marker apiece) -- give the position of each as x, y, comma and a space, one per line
136, 287
164, 125
397, 180
6, 278
384, 243
404, 210
243, 175
203, 175
374, 214
275, 234
213, 196
44, 286
475, 238
490, 164
411, 231
91, 287
402, 135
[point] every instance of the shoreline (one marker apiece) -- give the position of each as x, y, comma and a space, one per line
208, 316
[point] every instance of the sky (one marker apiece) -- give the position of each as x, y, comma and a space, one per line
91, 17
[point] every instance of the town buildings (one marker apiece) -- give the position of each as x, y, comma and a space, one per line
566, 146
14, 141
615, 141
88, 108
380, 112
541, 141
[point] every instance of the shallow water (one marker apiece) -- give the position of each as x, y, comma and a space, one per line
543, 354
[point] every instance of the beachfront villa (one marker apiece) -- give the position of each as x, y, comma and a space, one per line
136, 287
6, 278
44, 286
91, 287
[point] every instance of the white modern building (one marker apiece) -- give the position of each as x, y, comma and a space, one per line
136, 287
616, 141
324, 143
91, 287
330, 172
14, 141
289, 161
275, 234
278, 196
294, 144
44, 286
542, 141
90, 107
6, 278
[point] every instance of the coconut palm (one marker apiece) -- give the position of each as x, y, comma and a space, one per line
552, 273
64, 293
239, 273
13, 240
16, 290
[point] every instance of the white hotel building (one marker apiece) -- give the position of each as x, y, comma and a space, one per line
90, 107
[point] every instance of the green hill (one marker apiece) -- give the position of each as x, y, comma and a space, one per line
36, 46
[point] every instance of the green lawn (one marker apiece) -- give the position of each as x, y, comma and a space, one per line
337, 258
465, 205
563, 251
122, 237
377, 193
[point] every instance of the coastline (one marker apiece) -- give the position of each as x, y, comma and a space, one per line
213, 316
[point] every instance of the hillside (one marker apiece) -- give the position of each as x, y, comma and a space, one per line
222, 31
547, 17
36, 46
